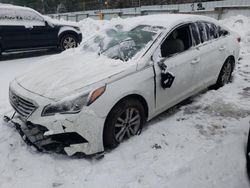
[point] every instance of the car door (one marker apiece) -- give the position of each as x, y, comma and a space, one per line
40, 33
14, 34
210, 49
182, 62
44, 35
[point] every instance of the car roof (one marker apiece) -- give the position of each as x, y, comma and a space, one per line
15, 7
165, 20
9, 6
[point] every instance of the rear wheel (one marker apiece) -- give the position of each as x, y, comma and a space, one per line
225, 73
125, 120
68, 41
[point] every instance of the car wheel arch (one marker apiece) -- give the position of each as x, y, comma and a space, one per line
231, 60
231, 57
137, 98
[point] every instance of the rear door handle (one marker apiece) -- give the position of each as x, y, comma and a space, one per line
222, 48
195, 61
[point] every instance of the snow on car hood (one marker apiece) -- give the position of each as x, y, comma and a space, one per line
62, 74
60, 22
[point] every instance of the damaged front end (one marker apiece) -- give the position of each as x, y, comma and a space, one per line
66, 126
35, 135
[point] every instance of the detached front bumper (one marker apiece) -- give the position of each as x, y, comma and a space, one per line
35, 135
45, 140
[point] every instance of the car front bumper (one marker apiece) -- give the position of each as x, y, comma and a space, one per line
63, 133
45, 140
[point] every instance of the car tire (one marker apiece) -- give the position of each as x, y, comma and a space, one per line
126, 119
225, 74
68, 41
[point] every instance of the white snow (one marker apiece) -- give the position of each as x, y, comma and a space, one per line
60, 75
199, 144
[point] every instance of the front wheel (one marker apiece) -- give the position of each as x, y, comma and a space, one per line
68, 41
225, 74
125, 120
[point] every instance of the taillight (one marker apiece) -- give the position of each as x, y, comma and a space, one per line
239, 39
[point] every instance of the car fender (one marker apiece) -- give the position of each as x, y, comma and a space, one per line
66, 29
140, 83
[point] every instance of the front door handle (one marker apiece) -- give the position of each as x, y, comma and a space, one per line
222, 48
195, 61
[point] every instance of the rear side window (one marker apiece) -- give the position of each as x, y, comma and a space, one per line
203, 31
16, 17
195, 34
29, 17
212, 31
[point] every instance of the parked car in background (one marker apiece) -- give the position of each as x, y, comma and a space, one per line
105, 91
23, 28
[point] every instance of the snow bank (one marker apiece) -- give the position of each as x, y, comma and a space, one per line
90, 26
241, 25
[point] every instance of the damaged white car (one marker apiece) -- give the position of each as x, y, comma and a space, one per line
98, 95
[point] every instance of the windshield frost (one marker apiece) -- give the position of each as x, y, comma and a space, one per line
116, 43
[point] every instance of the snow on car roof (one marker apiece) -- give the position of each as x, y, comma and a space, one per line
166, 20
13, 6
10, 6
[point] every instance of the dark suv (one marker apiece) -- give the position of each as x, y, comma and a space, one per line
23, 28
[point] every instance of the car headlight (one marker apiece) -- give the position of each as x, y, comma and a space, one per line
74, 105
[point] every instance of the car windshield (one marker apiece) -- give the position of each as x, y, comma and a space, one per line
116, 43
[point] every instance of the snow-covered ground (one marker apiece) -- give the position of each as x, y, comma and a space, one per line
198, 144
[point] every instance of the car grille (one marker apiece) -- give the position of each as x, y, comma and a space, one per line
22, 106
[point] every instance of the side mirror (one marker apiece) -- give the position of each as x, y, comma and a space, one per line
156, 57
48, 24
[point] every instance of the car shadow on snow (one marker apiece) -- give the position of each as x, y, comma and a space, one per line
173, 110
27, 54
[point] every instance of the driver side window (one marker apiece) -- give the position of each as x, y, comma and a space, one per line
179, 40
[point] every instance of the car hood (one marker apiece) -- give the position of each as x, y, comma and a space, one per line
63, 74
56, 22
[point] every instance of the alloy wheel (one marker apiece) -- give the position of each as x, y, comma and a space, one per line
127, 124
69, 42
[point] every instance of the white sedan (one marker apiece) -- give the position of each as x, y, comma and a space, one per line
102, 93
